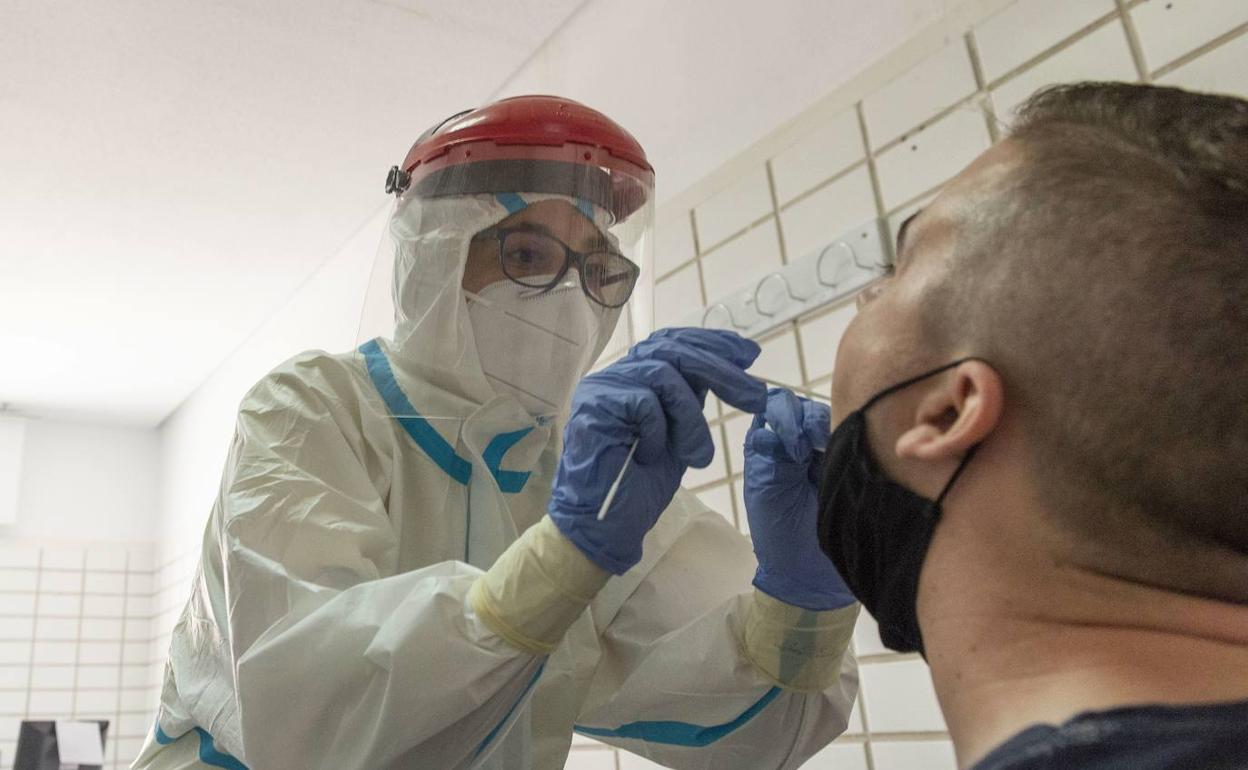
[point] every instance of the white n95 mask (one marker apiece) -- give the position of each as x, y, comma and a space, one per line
536, 344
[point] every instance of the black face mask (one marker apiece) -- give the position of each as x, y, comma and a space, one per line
876, 531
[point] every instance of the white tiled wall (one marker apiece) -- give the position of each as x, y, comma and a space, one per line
673, 243
920, 129
1102, 55
818, 157
930, 156
733, 208
76, 641
750, 256
1169, 29
837, 207
939, 81
1224, 69
1027, 28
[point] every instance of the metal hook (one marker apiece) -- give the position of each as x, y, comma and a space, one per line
727, 310
853, 256
788, 289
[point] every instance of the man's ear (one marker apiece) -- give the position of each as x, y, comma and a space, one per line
958, 411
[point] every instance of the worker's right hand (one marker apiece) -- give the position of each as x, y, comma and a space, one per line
783, 465
653, 397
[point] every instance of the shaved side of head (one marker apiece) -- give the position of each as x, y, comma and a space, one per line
1106, 277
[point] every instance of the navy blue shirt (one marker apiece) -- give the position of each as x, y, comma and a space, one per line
1211, 737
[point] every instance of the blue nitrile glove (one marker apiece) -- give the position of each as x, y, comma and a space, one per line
654, 397
783, 463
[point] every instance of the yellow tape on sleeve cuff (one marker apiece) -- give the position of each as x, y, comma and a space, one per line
537, 589
795, 648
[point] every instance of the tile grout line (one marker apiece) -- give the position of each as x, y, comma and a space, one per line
82, 600
702, 293
876, 190
682, 266
697, 257
912, 201
803, 374
1133, 41
904, 736
982, 95
1054, 49
775, 211
735, 234
34, 631
824, 184
966, 102
868, 749
85, 689
693, 226
1200, 51
737, 516
121, 664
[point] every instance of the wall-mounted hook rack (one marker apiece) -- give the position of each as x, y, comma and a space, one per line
826, 275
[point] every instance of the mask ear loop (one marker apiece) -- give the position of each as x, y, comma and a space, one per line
935, 505
966, 459
890, 390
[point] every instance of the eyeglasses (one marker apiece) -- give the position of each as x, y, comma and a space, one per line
530, 258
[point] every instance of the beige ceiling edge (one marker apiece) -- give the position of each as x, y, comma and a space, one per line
894, 64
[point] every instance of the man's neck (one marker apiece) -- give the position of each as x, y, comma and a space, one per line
1000, 671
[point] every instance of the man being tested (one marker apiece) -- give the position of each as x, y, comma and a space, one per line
1038, 476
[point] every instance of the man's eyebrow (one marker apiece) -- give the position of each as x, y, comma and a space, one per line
901, 233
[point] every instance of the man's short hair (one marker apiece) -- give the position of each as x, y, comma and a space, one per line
1107, 280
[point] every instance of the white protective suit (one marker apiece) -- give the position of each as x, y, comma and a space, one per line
352, 610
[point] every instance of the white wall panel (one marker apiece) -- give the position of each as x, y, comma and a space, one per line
913, 755
734, 208
1222, 70
741, 261
818, 157
1102, 55
900, 697
1028, 27
1169, 29
938, 82
825, 215
932, 156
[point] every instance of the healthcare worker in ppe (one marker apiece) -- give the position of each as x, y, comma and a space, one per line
424, 553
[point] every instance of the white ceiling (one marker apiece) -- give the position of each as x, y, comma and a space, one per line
171, 171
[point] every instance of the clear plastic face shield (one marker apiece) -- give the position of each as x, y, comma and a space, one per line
509, 277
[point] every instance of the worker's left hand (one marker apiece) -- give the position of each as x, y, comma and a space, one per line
783, 463
653, 397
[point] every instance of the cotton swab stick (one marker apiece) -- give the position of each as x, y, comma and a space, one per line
800, 391
615, 485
